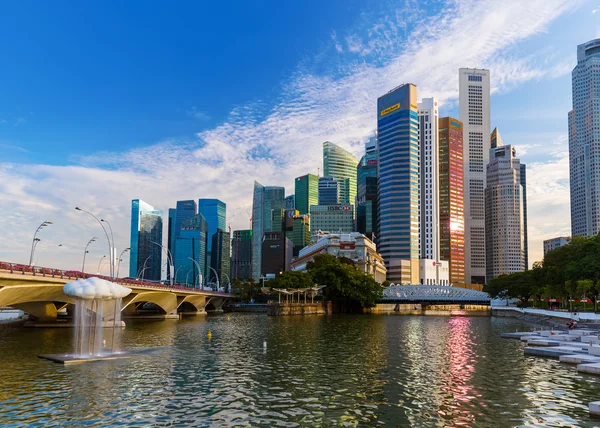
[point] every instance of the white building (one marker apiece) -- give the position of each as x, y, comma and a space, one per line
354, 246
554, 243
429, 176
474, 107
432, 272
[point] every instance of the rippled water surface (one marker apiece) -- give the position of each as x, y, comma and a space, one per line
315, 371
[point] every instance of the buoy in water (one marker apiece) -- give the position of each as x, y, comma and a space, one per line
209, 333
228, 318
264, 343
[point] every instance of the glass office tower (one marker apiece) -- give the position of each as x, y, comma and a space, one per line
329, 191
183, 211
191, 243
214, 212
341, 165
221, 260
366, 192
241, 254
145, 258
306, 193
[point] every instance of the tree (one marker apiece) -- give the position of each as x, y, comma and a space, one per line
571, 288
291, 279
583, 288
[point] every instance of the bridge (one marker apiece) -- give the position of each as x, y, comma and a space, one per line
429, 295
39, 292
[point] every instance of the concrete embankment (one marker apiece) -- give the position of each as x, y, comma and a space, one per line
544, 317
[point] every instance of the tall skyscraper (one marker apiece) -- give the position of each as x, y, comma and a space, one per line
451, 182
191, 243
221, 259
184, 210
366, 192
300, 234
398, 148
329, 191
171, 232
554, 243
341, 165
504, 214
584, 141
145, 258
214, 212
241, 254
474, 107
429, 171
267, 202
524, 186
290, 202
306, 193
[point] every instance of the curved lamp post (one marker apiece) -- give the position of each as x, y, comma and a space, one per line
100, 262
42, 252
144, 267
110, 247
120, 259
199, 271
169, 259
216, 276
85, 252
35, 239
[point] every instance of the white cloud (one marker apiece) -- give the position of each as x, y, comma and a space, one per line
273, 144
197, 114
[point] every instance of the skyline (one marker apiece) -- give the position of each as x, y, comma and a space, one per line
254, 140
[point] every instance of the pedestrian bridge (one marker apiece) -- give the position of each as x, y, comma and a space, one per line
434, 295
39, 292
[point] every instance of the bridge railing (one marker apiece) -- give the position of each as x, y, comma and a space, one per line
16, 268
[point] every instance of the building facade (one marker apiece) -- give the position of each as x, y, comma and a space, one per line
584, 141
429, 172
554, 243
306, 190
221, 260
214, 212
331, 218
398, 194
434, 272
183, 211
145, 258
474, 108
451, 198
341, 165
190, 249
290, 202
300, 234
241, 254
504, 214
277, 251
354, 246
525, 238
328, 191
366, 192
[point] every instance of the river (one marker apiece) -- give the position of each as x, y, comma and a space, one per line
370, 370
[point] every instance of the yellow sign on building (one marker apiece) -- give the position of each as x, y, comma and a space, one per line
389, 109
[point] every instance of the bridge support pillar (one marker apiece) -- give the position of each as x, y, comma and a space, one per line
41, 311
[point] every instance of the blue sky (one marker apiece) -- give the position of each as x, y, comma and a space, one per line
104, 102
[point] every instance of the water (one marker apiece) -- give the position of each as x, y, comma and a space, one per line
314, 371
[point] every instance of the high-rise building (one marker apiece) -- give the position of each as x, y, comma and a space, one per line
451, 183
328, 191
306, 193
277, 253
398, 170
584, 141
474, 107
504, 214
525, 238
290, 202
221, 259
267, 201
331, 218
183, 211
300, 234
241, 254
366, 192
554, 243
341, 165
171, 232
214, 212
429, 172
191, 243
145, 258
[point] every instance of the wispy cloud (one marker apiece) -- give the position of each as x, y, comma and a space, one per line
20, 121
13, 147
197, 114
275, 143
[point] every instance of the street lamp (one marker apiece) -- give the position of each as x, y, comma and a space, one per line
177, 271
35, 239
110, 246
216, 275
85, 252
99, 263
169, 259
42, 252
144, 267
187, 277
199, 271
120, 259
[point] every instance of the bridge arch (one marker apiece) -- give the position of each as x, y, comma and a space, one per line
165, 300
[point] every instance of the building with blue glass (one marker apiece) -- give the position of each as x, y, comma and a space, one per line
328, 191
183, 211
398, 194
214, 212
366, 192
191, 243
145, 258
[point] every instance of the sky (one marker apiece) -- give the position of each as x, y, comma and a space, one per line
105, 102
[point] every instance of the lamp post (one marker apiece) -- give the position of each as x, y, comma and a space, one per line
187, 277
85, 252
144, 267
114, 248
110, 246
120, 259
42, 252
199, 272
177, 271
169, 259
100, 262
35, 239
228, 281
216, 275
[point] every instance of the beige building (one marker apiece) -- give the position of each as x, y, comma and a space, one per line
354, 246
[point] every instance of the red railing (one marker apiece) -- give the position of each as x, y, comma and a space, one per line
15, 268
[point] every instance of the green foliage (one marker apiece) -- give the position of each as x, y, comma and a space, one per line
291, 279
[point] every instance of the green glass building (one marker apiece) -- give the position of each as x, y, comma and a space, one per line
341, 165
306, 193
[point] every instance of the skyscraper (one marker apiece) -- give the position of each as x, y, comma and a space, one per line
214, 212
146, 227
221, 260
341, 165
524, 186
504, 214
266, 202
184, 210
241, 254
366, 192
191, 243
429, 171
398, 148
329, 191
474, 107
452, 217
584, 141
306, 193
290, 202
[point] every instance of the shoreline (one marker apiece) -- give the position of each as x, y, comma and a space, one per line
547, 318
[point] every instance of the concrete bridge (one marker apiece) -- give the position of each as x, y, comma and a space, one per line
39, 292
434, 295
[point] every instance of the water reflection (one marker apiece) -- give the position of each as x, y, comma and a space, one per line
340, 370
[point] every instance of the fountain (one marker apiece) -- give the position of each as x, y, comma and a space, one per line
94, 297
